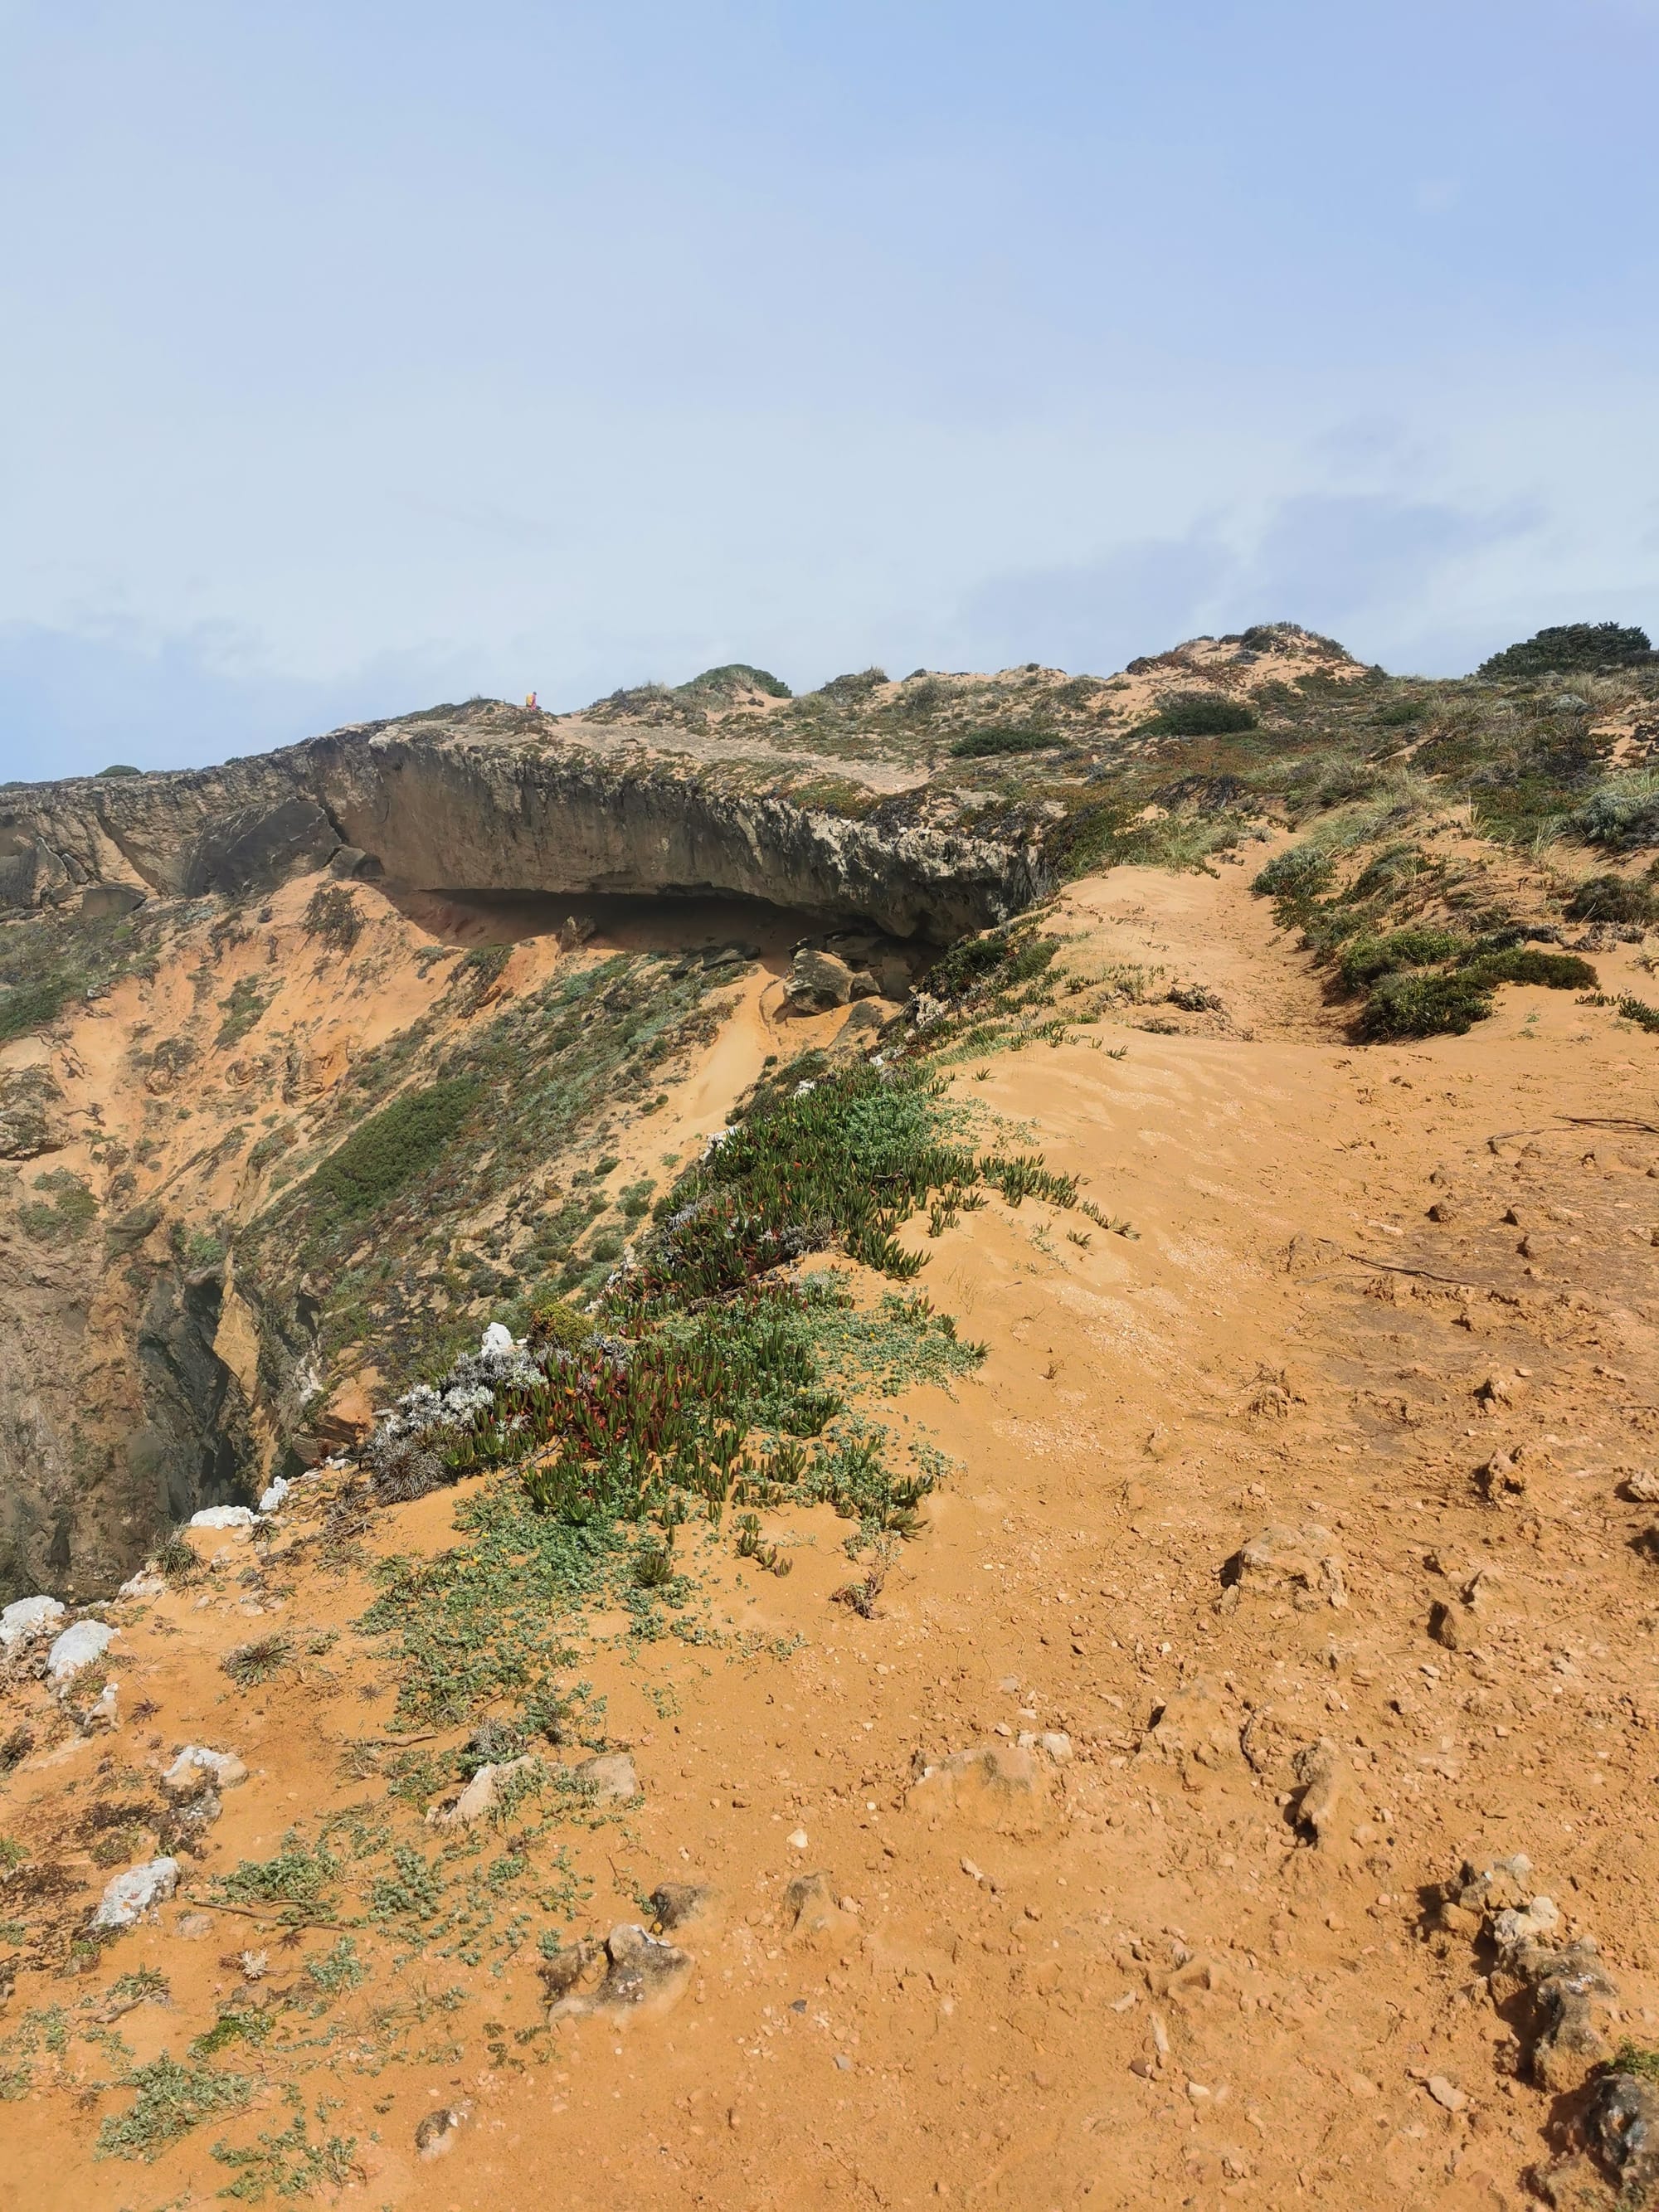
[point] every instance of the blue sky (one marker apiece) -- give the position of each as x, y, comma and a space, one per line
360, 355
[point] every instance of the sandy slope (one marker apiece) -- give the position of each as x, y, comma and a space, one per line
1158, 1992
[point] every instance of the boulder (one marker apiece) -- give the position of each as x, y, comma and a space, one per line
1003, 1786
77, 1647
819, 980
609, 1779
643, 1973
136, 1893
34, 1116
223, 1516
1302, 1564
274, 1493
30, 1617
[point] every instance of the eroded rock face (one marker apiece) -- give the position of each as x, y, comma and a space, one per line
443, 805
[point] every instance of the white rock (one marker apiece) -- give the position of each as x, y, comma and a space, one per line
143, 1584
498, 1337
137, 1892
223, 1516
1053, 1743
77, 1647
107, 1710
274, 1494
1532, 1924
196, 1769
28, 1617
481, 1796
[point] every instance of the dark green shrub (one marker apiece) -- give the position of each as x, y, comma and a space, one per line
1567, 645
984, 745
1200, 714
735, 676
1415, 1004
1525, 964
1400, 713
1612, 898
1299, 872
1368, 958
120, 768
393, 1147
28, 1006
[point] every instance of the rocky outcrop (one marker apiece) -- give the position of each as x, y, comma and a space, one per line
467, 806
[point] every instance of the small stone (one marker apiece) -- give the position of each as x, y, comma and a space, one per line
1445, 2092
437, 2132
77, 1647
192, 1926
1443, 1210
27, 1617
497, 1339
138, 1891
843, 2062
971, 1871
797, 1839
104, 1710
1053, 1743
1642, 1486
678, 1904
1324, 1773
811, 1904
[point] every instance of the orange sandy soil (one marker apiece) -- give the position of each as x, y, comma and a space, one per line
1159, 1992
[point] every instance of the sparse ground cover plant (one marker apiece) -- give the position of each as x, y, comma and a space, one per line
170, 2099
989, 745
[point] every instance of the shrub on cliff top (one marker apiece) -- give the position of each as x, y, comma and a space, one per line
1567, 645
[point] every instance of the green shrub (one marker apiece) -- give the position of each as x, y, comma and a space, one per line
171, 2100
1367, 959
1525, 964
120, 768
332, 915
984, 745
393, 1147
1569, 646
31, 1005
735, 676
1415, 1004
1200, 714
1299, 872
1612, 898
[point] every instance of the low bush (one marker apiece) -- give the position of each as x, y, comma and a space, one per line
1367, 959
1622, 814
1417, 1004
1525, 964
393, 1147
1612, 898
985, 744
1199, 714
1298, 873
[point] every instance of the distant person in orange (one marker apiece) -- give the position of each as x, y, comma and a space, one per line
532, 703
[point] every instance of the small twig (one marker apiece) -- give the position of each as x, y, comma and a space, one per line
246, 1912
